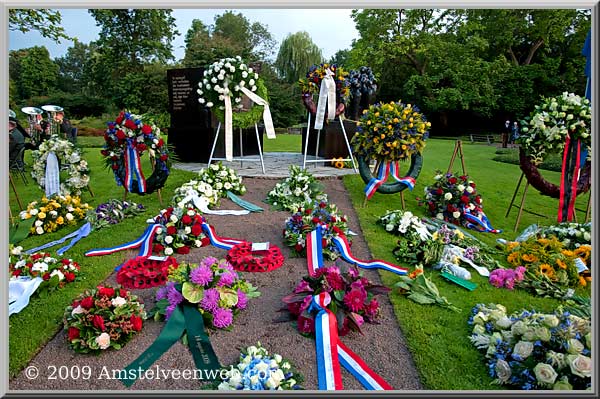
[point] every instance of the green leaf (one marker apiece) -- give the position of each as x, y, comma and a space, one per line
422, 299
228, 297
339, 295
192, 292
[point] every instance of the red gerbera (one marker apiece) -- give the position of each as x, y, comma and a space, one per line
355, 300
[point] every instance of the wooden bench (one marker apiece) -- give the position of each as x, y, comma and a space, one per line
294, 130
481, 138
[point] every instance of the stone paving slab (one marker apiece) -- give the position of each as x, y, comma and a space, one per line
276, 165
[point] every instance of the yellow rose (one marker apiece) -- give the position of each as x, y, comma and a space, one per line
390, 127
42, 215
27, 215
43, 209
365, 111
376, 113
375, 128
368, 122
60, 220
395, 120
410, 124
404, 146
382, 136
410, 119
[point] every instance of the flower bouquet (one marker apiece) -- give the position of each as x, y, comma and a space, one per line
69, 157
53, 213
530, 350
299, 187
222, 179
54, 272
182, 231
257, 370
352, 299
390, 132
195, 187
213, 287
312, 85
414, 234
112, 212
420, 289
306, 219
546, 129
362, 81
448, 197
103, 318
145, 272
572, 235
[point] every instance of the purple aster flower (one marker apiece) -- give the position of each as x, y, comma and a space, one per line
169, 310
161, 293
222, 318
202, 275
174, 296
227, 279
210, 300
226, 266
209, 261
242, 299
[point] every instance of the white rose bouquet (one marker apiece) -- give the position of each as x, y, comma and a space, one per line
221, 179
299, 187
260, 371
530, 350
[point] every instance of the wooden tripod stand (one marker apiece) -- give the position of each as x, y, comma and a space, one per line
458, 150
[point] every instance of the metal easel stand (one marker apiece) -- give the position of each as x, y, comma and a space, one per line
241, 157
158, 194
317, 160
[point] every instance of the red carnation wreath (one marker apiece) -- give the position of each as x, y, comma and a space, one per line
142, 272
243, 259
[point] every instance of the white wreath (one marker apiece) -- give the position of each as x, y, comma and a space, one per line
69, 158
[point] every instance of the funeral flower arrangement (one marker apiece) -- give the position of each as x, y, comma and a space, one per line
182, 230
447, 198
212, 286
414, 233
390, 132
51, 214
258, 370
353, 299
310, 216
420, 289
195, 187
54, 272
299, 187
242, 258
550, 269
531, 350
129, 131
145, 272
102, 318
69, 158
312, 84
112, 212
572, 235
546, 129
362, 81
222, 179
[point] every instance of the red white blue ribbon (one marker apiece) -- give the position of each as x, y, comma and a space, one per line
384, 171
480, 222
314, 254
217, 241
133, 166
568, 180
144, 243
332, 353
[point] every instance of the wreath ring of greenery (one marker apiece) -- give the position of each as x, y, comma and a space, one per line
534, 177
246, 119
416, 163
155, 182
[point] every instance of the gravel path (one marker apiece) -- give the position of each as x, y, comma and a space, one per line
383, 346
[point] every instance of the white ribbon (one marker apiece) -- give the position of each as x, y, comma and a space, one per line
326, 98
201, 203
228, 129
453, 250
52, 181
269, 128
19, 292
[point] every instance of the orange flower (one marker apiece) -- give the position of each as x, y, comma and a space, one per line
547, 270
415, 273
511, 245
529, 258
588, 278
513, 258
561, 264
582, 281
583, 252
568, 253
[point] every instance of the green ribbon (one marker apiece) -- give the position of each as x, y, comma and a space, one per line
243, 203
184, 317
18, 232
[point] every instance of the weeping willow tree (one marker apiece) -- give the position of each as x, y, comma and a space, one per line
296, 54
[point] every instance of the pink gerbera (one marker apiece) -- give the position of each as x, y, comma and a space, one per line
355, 300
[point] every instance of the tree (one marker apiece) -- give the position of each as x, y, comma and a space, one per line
342, 58
45, 21
231, 35
130, 38
33, 72
75, 67
296, 54
286, 108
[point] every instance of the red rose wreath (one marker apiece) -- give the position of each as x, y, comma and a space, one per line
243, 259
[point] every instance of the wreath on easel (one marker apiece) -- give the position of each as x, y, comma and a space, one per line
126, 140
546, 131
312, 85
388, 133
227, 77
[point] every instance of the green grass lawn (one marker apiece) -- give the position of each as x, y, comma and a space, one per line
438, 338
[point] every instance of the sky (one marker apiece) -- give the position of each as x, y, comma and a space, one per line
330, 29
